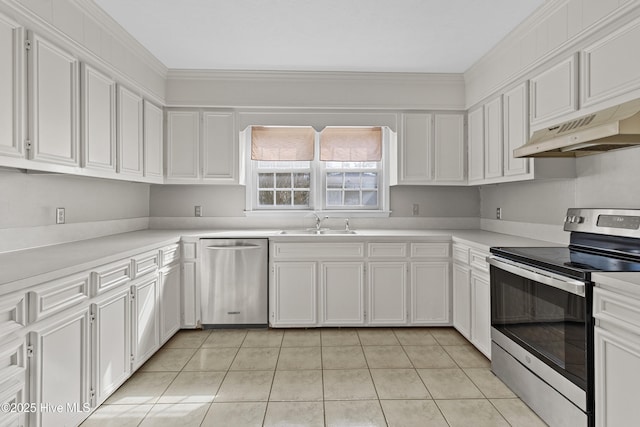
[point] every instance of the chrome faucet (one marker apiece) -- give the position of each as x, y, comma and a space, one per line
346, 224
319, 221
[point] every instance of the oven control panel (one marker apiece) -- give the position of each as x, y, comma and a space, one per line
614, 222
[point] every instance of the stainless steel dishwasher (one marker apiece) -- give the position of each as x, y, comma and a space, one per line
233, 282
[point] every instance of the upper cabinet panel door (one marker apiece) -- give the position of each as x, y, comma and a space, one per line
611, 67
130, 160
98, 120
554, 92
183, 145
54, 107
219, 147
153, 138
476, 144
493, 138
516, 129
12, 89
416, 148
449, 148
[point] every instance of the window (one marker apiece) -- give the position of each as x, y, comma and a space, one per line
297, 169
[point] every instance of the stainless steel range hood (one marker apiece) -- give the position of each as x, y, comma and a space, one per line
610, 129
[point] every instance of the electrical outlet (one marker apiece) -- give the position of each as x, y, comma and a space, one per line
60, 216
416, 209
198, 211
498, 213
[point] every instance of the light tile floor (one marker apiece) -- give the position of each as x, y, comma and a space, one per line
315, 377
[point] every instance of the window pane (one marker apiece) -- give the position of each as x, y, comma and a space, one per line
265, 180
352, 180
370, 198
301, 180
265, 198
351, 198
351, 165
283, 165
334, 180
334, 198
301, 198
283, 180
369, 180
283, 198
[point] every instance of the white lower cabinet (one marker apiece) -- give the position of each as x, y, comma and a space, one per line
169, 302
342, 293
387, 287
462, 299
13, 379
146, 335
481, 314
111, 342
294, 297
59, 371
430, 292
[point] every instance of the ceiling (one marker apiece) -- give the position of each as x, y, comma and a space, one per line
423, 36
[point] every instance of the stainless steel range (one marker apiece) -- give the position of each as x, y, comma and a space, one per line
541, 312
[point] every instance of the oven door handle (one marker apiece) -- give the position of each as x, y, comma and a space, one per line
573, 286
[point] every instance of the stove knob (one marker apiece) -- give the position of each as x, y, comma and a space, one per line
579, 219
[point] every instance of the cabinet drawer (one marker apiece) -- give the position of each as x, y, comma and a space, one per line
54, 297
621, 310
13, 311
478, 260
145, 263
13, 393
430, 250
110, 276
170, 254
387, 250
189, 250
310, 250
461, 253
13, 361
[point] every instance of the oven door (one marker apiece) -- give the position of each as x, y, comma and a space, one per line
547, 315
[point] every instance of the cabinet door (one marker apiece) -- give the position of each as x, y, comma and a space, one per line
554, 92
54, 106
130, 160
183, 145
462, 299
294, 293
481, 314
430, 293
146, 334
476, 144
449, 159
111, 340
516, 129
169, 302
493, 138
387, 293
59, 370
219, 148
416, 148
617, 374
12, 88
153, 140
342, 289
98, 120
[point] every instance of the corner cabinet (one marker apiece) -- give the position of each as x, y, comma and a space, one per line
202, 147
13, 88
153, 142
130, 125
432, 149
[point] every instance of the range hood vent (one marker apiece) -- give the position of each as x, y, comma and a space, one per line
610, 129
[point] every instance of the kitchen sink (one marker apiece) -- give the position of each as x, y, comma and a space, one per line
316, 232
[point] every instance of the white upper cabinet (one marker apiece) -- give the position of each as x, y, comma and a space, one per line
153, 141
54, 104
493, 138
476, 145
554, 93
130, 125
611, 67
202, 147
432, 149
98, 120
516, 129
12, 88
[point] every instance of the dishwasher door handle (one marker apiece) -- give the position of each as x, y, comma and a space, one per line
233, 248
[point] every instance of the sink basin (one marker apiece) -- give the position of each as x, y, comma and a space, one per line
315, 232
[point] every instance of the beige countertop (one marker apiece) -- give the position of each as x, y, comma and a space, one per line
20, 269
